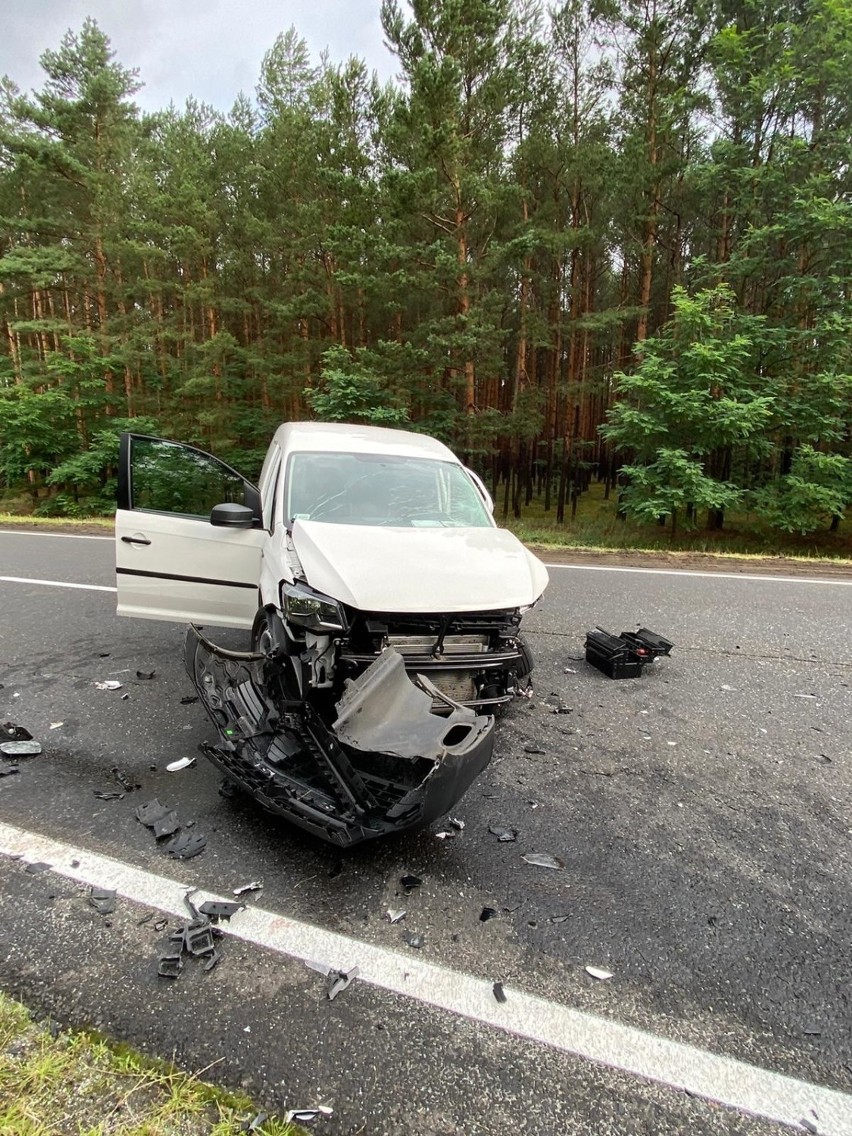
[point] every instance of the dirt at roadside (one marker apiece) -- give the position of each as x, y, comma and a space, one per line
697, 562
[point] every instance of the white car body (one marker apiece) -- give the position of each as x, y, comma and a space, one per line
358, 542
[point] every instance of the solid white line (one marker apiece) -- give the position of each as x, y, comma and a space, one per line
62, 536
705, 575
735, 1084
55, 584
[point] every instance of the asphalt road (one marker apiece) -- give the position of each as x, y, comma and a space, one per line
702, 812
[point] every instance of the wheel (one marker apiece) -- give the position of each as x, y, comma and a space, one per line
267, 632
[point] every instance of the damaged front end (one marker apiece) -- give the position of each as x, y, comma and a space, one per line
377, 761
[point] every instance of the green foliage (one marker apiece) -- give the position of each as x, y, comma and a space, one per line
350, 392
817, 489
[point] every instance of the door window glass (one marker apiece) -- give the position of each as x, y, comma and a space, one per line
169, 478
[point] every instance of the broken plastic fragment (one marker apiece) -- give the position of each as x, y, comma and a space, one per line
181, 763
457, 824
151, 812
146, 674
102, 899
597, 972
165, 826
445, 835
188, 699
413, 940
339, 980
410, 883
504, 835
533, 747
186, 845
108, 795
214, 960
37, 867
56, 725
217, 909
198, 938
170, 966
11, 732
558, 918
307, 1115
255, 885
126, 782
488, 913
20, 749
8, 770
109, 684
561, 708
499, 992
543, 860
396, 916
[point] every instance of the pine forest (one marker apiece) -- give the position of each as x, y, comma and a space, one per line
603, 250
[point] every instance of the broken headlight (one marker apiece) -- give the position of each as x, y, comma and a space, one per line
311, 609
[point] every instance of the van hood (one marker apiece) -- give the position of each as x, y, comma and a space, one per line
418, 569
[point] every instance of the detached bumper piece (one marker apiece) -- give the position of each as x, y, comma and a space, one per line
387, 764
625, 655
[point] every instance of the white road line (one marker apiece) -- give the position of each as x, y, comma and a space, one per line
61, 536
705, 575
735, 1084
55, 584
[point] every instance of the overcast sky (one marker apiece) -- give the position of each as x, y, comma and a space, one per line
211, 49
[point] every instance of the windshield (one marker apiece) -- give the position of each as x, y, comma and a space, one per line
377, 489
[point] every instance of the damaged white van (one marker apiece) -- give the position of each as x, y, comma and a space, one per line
384, 606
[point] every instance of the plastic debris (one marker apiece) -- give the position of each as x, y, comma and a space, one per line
457, 824
446, 834
186, 845
108, 794
56, 725
102, 899
127, 783
255, 885
307, 1115
414, 940
561, 707
410, 883
339, 980
214, 960
188, 699
12, 732
109, 684
396, 916
146, 674
599, 973
151, 812
488, 913
145, 919
22, 748
533, 747
181, 763
165, 826
499, 992
217, 909
543, 860
170, 965
504, 835
8, 770
559, 918
37, 867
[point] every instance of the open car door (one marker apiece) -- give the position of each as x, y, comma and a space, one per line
188, 536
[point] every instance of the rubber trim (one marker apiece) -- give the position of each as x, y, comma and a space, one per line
188, 579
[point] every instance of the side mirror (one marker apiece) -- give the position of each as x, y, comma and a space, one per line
230, 515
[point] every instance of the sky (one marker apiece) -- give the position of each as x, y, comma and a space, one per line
210, 49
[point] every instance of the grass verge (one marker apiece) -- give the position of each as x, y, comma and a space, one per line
30, 522
53, 1083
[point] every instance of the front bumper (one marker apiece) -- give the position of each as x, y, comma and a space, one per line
386, 764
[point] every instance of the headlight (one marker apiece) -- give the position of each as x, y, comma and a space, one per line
312, 609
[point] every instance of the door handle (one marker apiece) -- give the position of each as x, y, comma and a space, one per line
135, 540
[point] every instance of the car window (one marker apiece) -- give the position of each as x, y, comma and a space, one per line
170, 478
377, 489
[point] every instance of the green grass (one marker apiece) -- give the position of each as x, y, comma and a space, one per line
11, 519
79, 1083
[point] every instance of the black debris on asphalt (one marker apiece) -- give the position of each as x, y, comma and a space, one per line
410, 883
533, 747
164, 822
8, 770
127, 783
166, 825
170, 966
499, 992
146, 674
151, 812
102, 899
12, 732
108, 794
625, 655
37, 867
338, 980
504, 835
413, 939
185, 845
216, 909
188, 699
488, 913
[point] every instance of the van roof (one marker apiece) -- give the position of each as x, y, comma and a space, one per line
345, 437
